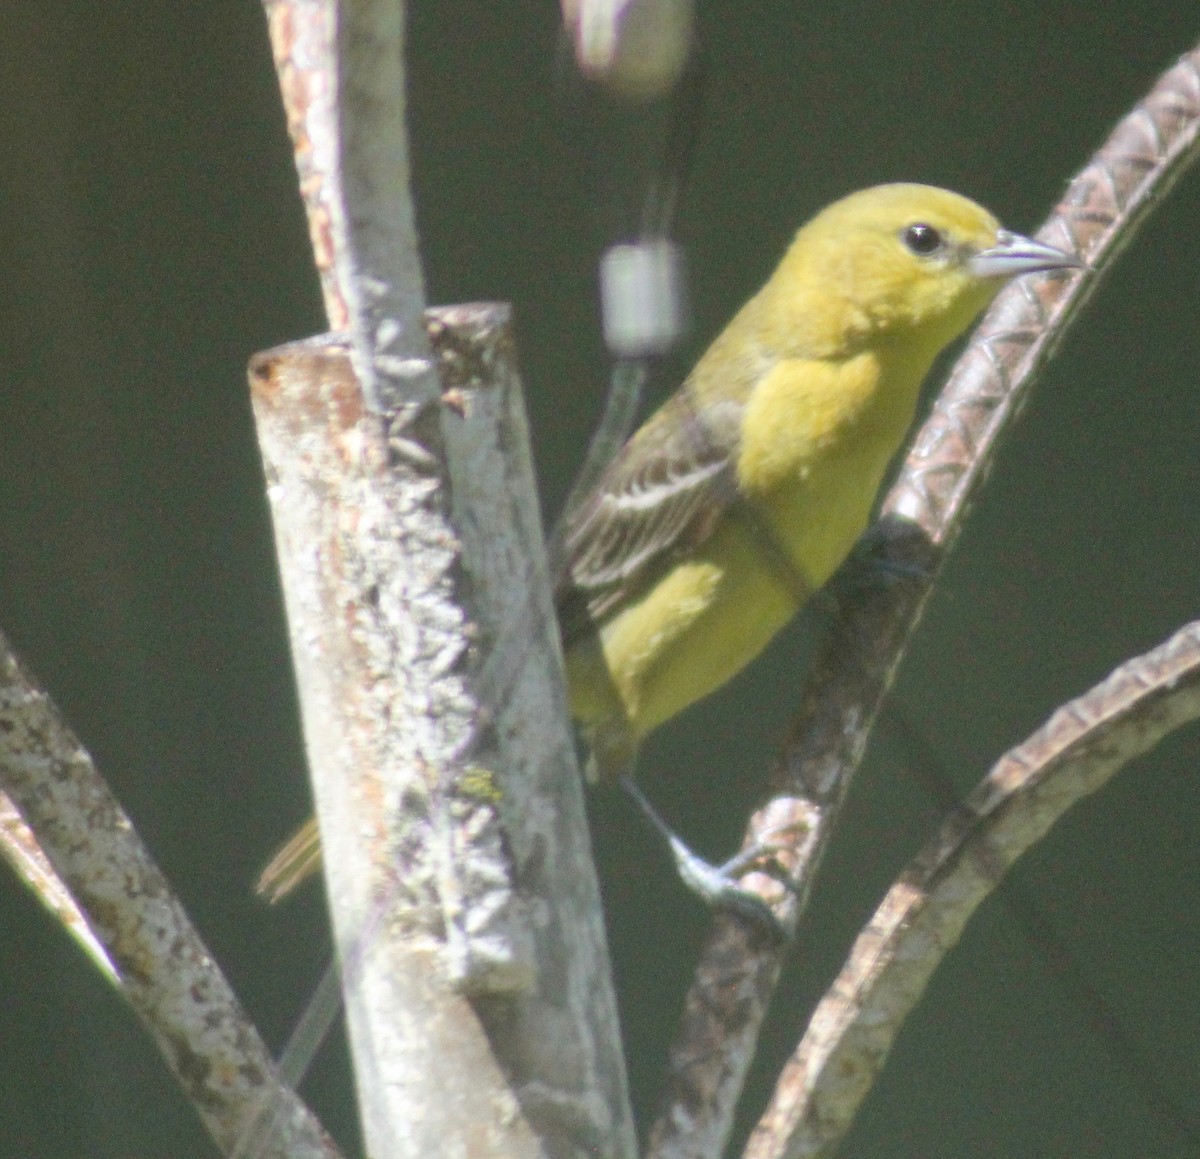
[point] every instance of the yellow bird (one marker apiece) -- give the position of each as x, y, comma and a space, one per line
748, 488
744, 493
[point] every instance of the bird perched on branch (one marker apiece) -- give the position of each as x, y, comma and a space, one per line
742, 495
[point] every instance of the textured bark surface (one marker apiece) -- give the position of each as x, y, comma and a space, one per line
162, 966
474, 959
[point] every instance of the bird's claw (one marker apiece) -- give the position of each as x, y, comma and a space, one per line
719, 885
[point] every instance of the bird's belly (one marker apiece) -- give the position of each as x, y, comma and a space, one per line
710, 616
698, 627
816, 525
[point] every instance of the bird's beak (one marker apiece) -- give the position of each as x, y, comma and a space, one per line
1015, 254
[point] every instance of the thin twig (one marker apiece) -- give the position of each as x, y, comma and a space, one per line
922, 917
738, 969
19, 847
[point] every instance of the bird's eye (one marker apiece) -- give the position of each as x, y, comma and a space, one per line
922, 239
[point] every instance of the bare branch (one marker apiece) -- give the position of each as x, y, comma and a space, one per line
465, 906
448, 915
923, 915
19, 847
164, 968
738, 970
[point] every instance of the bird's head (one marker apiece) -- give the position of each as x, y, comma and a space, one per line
909, 261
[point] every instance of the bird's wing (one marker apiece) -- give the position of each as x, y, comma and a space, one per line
659, 499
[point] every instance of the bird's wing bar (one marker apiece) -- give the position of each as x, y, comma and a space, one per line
660, 497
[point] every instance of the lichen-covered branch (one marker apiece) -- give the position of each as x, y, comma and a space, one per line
478, 956
465, 907
164, 969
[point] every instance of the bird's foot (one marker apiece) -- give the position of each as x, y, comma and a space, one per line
719, 886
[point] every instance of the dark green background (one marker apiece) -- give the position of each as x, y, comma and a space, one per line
152, 240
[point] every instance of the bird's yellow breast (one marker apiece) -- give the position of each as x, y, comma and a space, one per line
816, 440
806, 395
